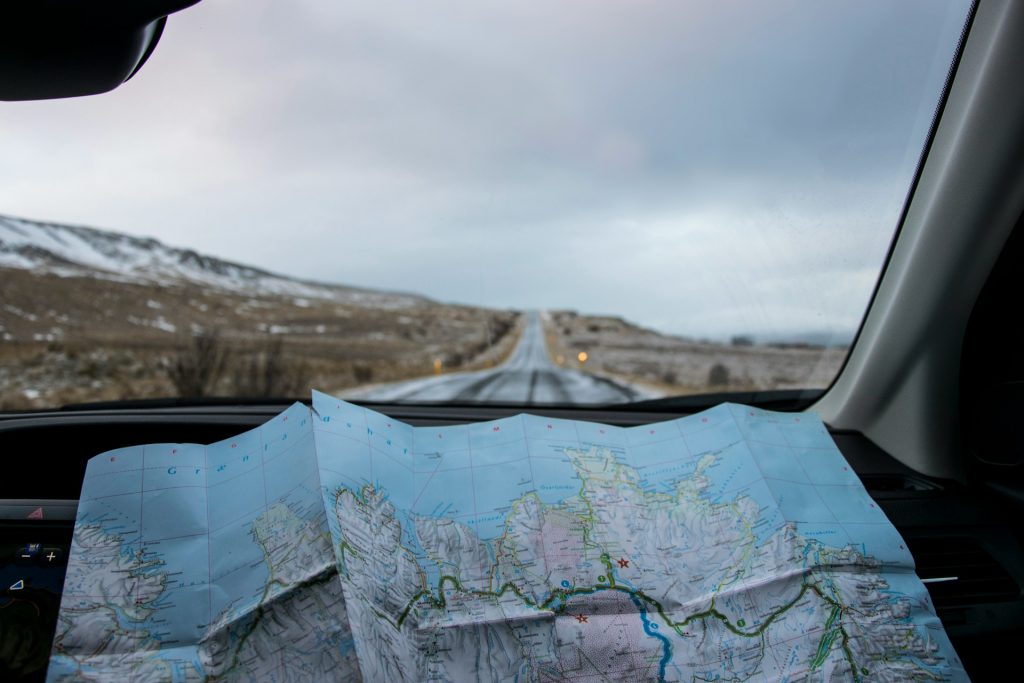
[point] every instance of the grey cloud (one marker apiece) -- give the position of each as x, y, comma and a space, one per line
706, 168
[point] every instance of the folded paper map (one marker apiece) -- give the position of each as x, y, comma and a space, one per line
335, 543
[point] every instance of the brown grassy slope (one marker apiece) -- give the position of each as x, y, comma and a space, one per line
84, 339
674, 365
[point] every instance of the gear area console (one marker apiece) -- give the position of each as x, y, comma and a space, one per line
35, 537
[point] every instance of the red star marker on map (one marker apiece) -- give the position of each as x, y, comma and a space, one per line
623, 563
581, 618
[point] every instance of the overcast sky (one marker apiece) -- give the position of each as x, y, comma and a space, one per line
702, 168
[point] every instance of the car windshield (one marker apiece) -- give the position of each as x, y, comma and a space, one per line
573, 202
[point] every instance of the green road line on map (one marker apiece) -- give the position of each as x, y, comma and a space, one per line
848, 653
827, 639
261, 609
590, 517
343, 548
557, 599
608, 565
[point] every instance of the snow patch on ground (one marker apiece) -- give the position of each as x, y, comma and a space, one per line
160, 323
20, 313
72, 251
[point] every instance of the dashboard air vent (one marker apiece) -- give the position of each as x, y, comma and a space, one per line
959, 572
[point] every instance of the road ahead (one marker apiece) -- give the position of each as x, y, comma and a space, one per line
528, 376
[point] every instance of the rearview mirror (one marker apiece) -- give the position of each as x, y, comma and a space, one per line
67, 48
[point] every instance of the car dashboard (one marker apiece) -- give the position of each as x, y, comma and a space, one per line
966, 552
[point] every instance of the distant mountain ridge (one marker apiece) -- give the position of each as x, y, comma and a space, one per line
76, 251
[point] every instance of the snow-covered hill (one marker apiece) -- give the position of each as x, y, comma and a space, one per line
72, 251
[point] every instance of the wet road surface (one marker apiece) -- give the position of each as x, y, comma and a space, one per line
528, 376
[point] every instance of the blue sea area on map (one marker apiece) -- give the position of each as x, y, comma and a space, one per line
462, 473
187, 512
783, 462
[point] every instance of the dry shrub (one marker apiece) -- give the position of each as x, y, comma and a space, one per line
267, 372
362, 373
15, 400
718, 375
196, 368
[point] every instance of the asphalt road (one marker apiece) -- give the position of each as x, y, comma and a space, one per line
528, 376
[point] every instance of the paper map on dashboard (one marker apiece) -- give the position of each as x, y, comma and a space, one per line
339, 544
